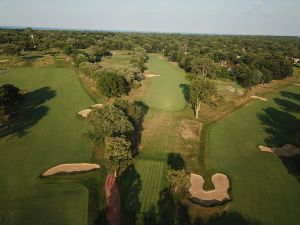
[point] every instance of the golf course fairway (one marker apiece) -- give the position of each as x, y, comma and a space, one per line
264, 188
44, 133
164, 92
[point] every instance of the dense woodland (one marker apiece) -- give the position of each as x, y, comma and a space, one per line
249, 60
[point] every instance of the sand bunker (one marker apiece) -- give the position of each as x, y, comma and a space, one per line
70, 168
208, 198
265, 149
297, 84
285, 151
84, 113
97, 106
3, 60
259, 98
151, 75
190, 129
161, 57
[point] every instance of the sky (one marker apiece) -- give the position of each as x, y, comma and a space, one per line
255, 17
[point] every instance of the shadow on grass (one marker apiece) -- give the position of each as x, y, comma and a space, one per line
131, 185
283, 128
29, 112
175, 161
171, 211
138, 126
185, 91
227, 218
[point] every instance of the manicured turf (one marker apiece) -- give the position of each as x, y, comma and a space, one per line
118, 59
264, 189
45, 133
165, 92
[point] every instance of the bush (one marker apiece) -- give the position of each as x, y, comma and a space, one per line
112, 84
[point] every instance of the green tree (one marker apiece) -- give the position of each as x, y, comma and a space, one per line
108, 121
112, 84
9, 94
13, 50
203, 66
179, 180
202, 90
247, 77
118, 154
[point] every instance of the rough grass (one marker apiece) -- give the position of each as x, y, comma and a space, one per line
44, 133
264, 188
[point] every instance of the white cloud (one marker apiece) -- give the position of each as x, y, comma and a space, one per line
258, 2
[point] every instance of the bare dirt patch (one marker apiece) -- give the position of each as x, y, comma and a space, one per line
190, 129
208, 198
84, 113
70, 168
259, 98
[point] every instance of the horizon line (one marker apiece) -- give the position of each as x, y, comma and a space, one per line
136, 31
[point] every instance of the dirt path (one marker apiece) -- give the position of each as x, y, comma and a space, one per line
113, 205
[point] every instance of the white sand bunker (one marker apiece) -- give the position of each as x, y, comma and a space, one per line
213, 197
152, 75
297, 84
97, 106
70, 168
190, 129
285, 151
259, 98
84, 113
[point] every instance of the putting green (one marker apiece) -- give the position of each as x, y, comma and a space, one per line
165, 92
263, 188
45, 133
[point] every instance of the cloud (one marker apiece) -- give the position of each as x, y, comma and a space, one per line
258, 2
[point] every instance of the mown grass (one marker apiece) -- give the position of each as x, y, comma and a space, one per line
264, 188
118, 59
165, 92
44, 133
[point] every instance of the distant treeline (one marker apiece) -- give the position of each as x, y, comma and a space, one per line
249, 60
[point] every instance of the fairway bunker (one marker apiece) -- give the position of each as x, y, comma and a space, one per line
84, 113
259, 98
285, 151
152, 75
190, 129
97, 106
297, 84
70, 168
213, 197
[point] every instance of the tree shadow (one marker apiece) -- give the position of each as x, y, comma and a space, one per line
175, 161
227, 218
185, 91
29, 113
136, 137
171, 210
286, 105
291, 95
131, 184
283, 128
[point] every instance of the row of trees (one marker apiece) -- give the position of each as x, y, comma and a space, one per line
114, 127
247, 59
